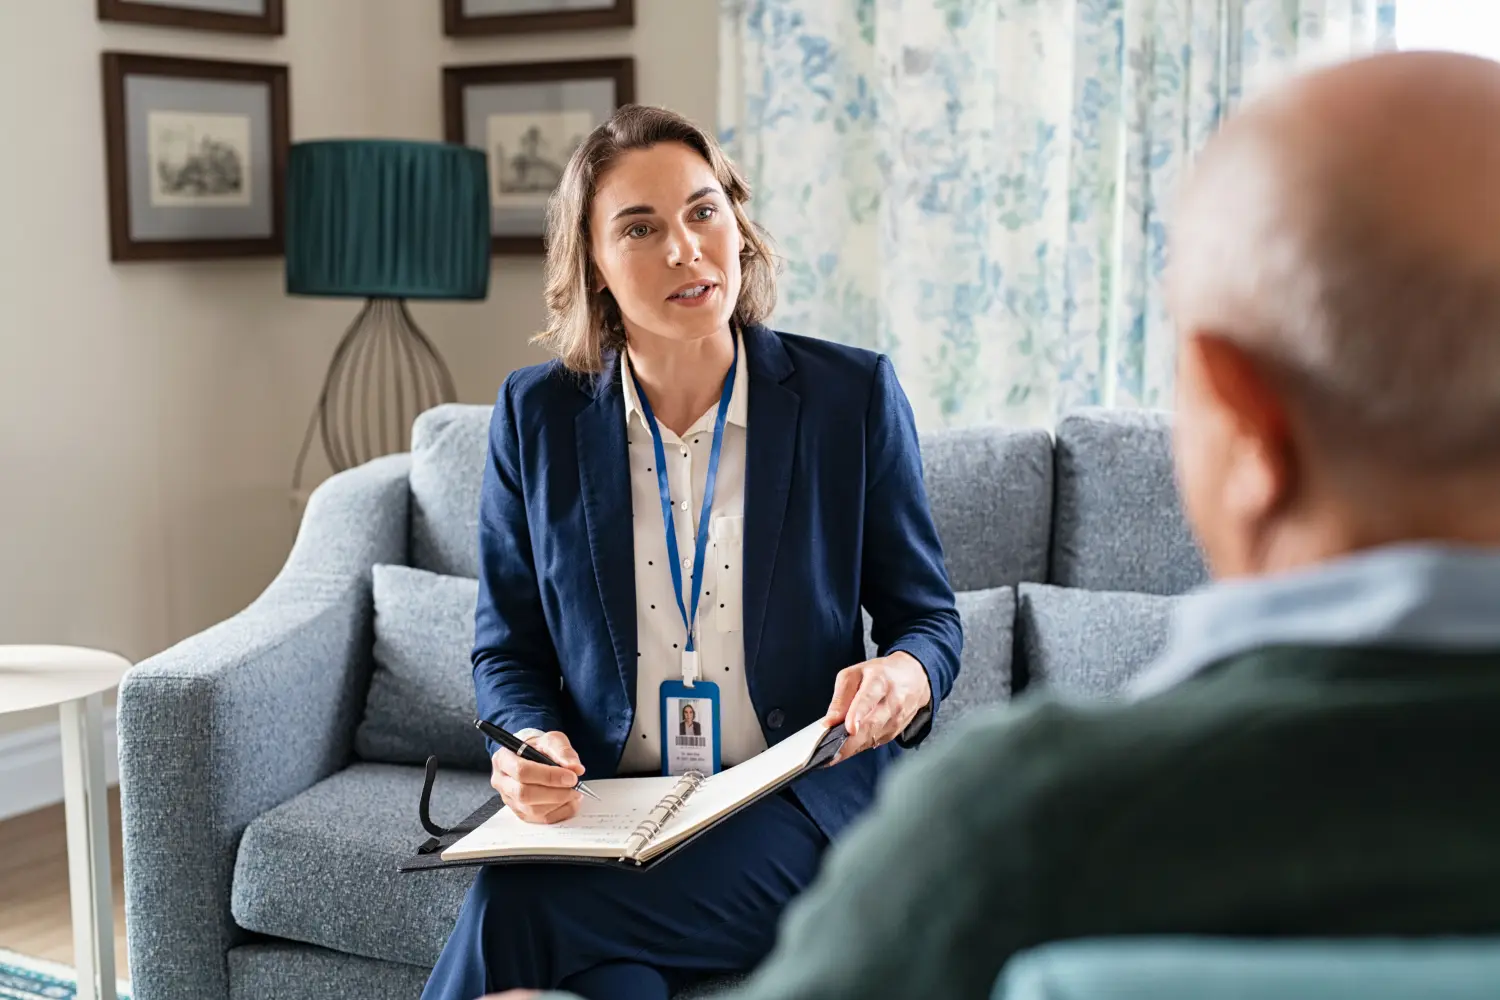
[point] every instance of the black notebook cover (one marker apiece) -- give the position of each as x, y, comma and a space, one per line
428, 857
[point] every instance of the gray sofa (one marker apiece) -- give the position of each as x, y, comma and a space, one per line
270, 766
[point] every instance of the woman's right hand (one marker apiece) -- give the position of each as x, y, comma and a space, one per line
538, 793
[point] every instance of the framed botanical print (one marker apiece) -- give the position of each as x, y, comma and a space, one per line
506, 17
251, 17
196, 155
528, 118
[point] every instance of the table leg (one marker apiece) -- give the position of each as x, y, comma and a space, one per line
87, 811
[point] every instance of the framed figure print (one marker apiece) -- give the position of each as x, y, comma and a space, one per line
528, 118
505, 17
250, 17
196, 155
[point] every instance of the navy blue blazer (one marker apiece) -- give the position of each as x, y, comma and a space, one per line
836, 517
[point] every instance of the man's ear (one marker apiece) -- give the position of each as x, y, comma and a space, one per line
1261, 466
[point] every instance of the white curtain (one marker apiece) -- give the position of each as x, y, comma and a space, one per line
978, 187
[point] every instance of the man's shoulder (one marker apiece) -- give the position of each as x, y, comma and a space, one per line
1042, 754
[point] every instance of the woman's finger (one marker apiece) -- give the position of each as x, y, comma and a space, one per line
559, 813
529, 772
871, 691
557, 746
844, 688
880, 720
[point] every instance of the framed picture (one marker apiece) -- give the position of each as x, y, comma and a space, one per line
251, 17
528, 118
196, 156
506, 17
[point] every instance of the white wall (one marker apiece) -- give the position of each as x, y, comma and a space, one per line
150, 413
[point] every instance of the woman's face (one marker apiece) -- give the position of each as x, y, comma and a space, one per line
666, 244
688, 715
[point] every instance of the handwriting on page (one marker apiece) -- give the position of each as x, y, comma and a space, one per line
622, 804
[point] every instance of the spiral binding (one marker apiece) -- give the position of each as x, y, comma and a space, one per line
671, 803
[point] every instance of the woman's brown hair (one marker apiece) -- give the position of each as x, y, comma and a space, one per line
583, 324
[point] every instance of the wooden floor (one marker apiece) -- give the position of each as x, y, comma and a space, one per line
34, 910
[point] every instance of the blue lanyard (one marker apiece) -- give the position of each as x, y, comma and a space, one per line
689, 618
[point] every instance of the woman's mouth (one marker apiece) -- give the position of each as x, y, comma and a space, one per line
692, 295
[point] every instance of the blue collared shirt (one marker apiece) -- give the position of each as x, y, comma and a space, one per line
1440, 597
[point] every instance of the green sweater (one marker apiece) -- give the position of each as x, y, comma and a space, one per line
1291, 791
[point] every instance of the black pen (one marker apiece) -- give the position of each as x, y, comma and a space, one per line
524, 750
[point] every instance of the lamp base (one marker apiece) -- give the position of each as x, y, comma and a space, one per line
384, 372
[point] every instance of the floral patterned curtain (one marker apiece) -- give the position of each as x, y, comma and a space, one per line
978, 187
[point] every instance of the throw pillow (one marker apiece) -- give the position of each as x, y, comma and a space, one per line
1086, 643
984, 669
421, 698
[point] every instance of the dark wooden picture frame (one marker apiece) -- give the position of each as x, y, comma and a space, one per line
117, 67
272, 22
460, 25
457, 79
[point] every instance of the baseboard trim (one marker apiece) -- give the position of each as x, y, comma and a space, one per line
31, 773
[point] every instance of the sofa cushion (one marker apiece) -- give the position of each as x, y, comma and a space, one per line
290, 971
449, 445
321, 868
1118, 522
1084, 642
984, 667
990, 490
421, 698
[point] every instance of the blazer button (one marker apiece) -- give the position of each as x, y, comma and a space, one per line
775, 718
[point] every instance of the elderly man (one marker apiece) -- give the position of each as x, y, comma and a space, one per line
1317, 752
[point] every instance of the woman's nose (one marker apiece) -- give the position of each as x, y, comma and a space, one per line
684, 248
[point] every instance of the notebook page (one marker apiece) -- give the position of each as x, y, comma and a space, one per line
600, 829
726, 790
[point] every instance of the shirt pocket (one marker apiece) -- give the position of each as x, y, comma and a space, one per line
728, 532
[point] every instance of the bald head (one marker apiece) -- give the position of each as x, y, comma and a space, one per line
1345, 231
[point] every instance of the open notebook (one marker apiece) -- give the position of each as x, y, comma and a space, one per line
638, 820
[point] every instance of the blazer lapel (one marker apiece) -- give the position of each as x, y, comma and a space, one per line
604, 481
770, 453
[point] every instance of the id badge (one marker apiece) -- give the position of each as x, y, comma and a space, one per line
689, 727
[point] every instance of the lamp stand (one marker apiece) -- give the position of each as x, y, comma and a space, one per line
384, 372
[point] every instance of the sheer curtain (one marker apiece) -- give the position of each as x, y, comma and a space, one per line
978, 187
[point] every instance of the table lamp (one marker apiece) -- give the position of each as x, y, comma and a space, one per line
383, 220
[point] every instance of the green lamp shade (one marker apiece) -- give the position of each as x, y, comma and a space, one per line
384, 218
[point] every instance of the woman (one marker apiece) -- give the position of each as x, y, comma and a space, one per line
689, 724
681, 465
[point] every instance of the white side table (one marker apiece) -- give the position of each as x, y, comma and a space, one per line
75, 680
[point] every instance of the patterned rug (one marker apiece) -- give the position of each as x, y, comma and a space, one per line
23, 978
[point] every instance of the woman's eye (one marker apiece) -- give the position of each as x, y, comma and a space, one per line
638, 232
703, 212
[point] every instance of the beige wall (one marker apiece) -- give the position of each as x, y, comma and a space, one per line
150, 414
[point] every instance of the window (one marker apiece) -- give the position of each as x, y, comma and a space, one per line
1471, 26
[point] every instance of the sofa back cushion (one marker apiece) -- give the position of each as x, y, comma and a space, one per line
1086, 643
1118, 522
421, 698
990, 490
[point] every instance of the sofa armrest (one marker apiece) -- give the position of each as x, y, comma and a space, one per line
241, 717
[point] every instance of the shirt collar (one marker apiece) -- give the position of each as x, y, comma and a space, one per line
1433, 596
739, 402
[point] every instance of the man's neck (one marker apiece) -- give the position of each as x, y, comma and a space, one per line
681, 379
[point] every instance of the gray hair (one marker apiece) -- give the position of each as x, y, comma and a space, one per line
1387, 339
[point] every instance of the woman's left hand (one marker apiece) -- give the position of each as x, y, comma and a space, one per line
876, 701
